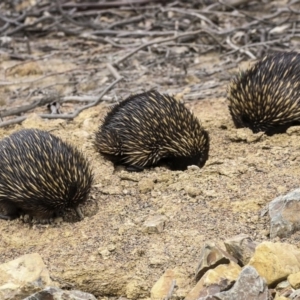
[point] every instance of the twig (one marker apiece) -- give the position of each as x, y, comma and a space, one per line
184, 11
78, 110
78, 99
126, 22
64, 116
66, 16
113, 71
133, 33
24, 26
108, 4
25, 108
106, 40
43, 77
252, 56
13, 121
171, 290
160, 41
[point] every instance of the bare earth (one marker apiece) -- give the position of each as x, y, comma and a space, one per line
109, 253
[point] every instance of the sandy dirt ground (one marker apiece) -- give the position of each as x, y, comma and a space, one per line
109, 253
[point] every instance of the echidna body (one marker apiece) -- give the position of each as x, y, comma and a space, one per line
41, 175
266, 97
149, 129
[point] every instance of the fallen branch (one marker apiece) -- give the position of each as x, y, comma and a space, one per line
160, 41
58, 116
25, 108
108, 4
43, 77
80, 109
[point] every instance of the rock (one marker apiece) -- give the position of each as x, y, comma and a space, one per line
244, 135
158, 260
295, 295
284, 214
210, 257
155, 224
136, 288
193, 191
275, 261
282, 285
54, 293
172, 282
285, 295
164, 177
104, 252
111, 190
293, 130
145, 185
215, 280
294, 280
241, 247
283, 289
248, 286
129, 176
193, 168
23, 276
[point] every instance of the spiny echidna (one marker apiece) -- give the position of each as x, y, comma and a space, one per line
266, 97
41, 175
150, 128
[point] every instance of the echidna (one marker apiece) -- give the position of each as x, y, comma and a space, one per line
150, 129
266, 97
41, 175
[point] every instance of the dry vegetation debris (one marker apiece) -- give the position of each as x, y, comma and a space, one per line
128, 42
82, 54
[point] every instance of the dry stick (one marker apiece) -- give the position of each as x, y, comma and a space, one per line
24, 26
91, 37
78, 110
68, 17
4, 27
13, 121
83, 99
108, 4
64, 116
293, 10
43, 101
133, 33
194, 14
248, 25
25, 108
251, 55
171, 290
78, 99
43, 77
113, 71
264, 20
11, 21
67, 31
128, 21
160, 42
257, 44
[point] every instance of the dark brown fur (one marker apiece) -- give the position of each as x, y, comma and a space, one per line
149, 129
266, 97
41, 175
